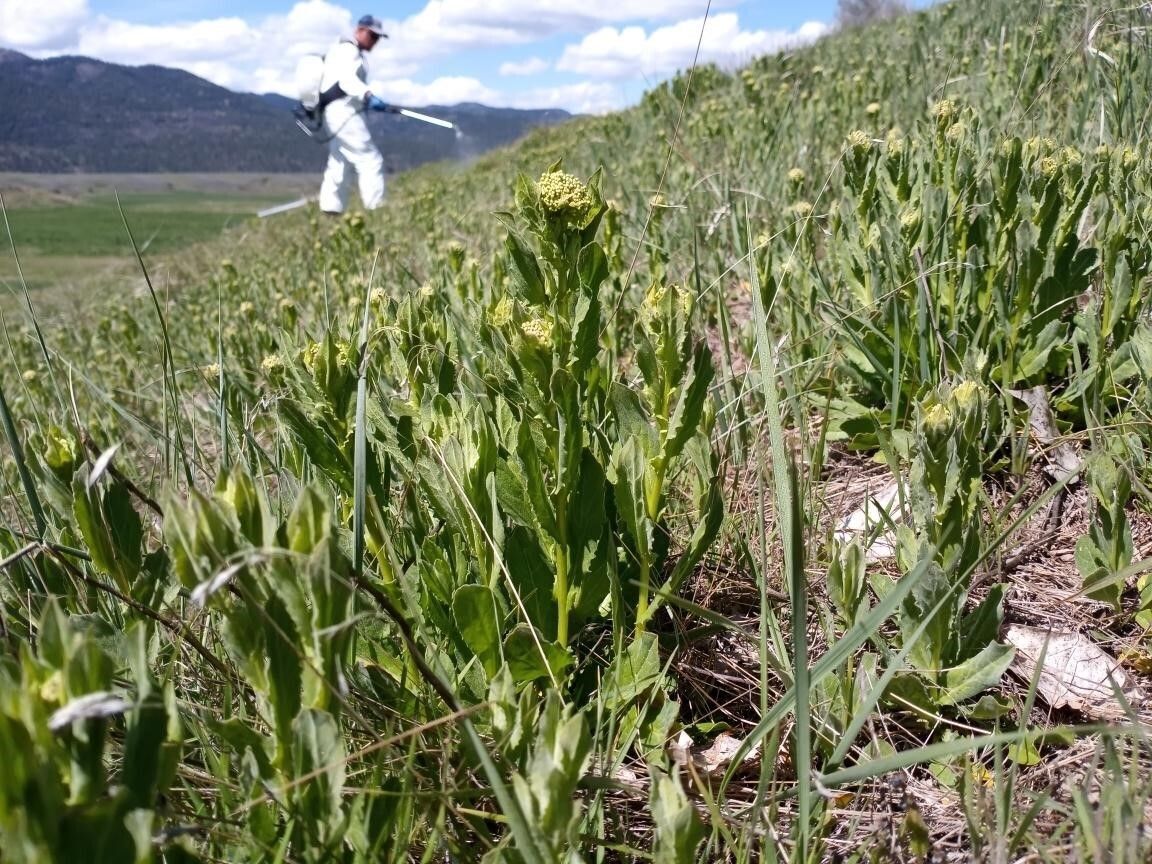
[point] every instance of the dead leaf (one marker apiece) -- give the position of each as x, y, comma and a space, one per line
715, 759
1065, 460
1076, 674
878, 512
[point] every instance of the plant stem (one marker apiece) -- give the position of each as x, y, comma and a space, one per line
561, 560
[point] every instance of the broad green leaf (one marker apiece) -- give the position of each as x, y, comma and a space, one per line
147, 733
320, 756
526, 271
982, 626
634, 673
976, 675
686, 416
530, 656
532, 575
678, 826
474, 610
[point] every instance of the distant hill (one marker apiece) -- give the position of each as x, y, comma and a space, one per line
68, 114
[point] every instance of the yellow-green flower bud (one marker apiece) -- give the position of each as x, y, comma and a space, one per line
937, 421
945, 112
872, 108
966, 396
311, 354
859, 142
802, 209
910, 222
796, 176
502, 313
894, 143
563, 196
539, 331
271, 363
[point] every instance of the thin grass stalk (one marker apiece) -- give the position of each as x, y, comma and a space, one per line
169, 364
360, 439
222, 388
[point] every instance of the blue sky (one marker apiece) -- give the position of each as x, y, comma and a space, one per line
583, 55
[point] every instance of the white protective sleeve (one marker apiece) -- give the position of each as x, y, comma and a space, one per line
345, 66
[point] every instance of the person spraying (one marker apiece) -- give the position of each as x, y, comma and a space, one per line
350, 146
334, 96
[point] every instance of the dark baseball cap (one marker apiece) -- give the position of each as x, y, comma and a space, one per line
371, 22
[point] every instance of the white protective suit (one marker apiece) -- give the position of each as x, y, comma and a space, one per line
351, 149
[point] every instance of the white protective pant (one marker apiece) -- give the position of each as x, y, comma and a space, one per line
351, 151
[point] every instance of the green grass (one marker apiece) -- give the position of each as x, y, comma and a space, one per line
68, 230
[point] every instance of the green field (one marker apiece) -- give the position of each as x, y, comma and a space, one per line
761, 474
70, 235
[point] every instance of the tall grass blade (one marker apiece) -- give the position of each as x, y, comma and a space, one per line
172, 392
22, 467
790, 528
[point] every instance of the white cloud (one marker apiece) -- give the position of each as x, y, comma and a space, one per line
625, 53
585, 97
260, 55
531, 66
548, 17
135, 44
446, 90
29, 25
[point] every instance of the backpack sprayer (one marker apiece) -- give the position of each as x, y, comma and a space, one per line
309, 113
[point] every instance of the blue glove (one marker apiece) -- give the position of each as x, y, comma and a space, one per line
376, 103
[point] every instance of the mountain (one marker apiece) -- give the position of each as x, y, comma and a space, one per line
68, 114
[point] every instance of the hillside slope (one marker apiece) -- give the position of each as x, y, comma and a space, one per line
718, 497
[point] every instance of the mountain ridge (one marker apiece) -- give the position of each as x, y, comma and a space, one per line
79, 114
